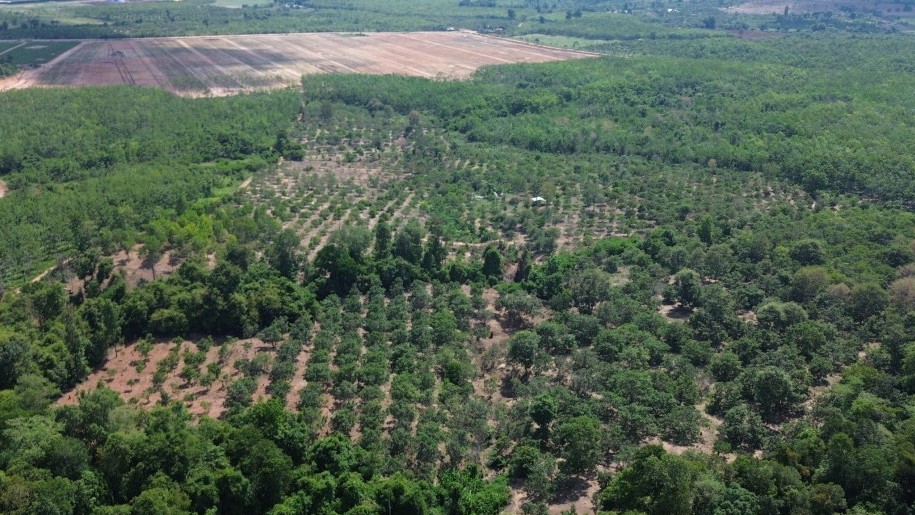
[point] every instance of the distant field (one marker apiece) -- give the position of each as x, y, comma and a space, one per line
230, 64
822, 6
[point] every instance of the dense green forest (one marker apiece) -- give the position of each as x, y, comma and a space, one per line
90, 168
679, 278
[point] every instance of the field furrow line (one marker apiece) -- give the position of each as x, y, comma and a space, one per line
210, 64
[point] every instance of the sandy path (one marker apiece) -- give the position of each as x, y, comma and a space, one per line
29, 78
298, 382
10, 49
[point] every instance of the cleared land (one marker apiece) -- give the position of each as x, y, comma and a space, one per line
230, 64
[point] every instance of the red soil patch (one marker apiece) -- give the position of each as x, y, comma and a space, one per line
298, 382
120, 374
225, 65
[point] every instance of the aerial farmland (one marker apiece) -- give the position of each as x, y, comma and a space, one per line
225, 65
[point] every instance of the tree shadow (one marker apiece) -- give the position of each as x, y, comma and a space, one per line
570, 490
507, 388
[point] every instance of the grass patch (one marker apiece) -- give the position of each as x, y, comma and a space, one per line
36, 53
6, 45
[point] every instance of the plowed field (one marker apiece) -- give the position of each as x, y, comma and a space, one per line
224, 65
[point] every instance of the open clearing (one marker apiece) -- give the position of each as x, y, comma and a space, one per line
224, 65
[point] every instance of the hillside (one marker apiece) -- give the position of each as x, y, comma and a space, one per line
678, 278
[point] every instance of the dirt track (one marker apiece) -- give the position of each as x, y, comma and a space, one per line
224, 65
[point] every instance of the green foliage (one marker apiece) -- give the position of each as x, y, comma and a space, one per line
140, 155
580, 442
655, 482
764, 177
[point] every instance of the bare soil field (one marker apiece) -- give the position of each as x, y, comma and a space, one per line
225, 65
130, 373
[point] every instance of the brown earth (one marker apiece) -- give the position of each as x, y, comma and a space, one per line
225, 65
136, 387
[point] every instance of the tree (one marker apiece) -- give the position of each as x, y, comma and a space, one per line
435, 252
867, 300
492, 262
398, 495
283, 254
275, 332
742, 428
161, 501
589, 288
688, 286
341, 269
655, 483
104, 320
808, 337
524, 350
737, 500
808, 282
327, 112
773, 391
46, 300
151, 252
91, 420
725, 366
408, 244
518, 306
334, 454
808, 252
382, 239
580, 443
778, 316
902, 292
556, 338
77, 343
535, 468
864, 473
168, 322
14, 356
827, 499
270, 471
465, 491
543, 410
706, 228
